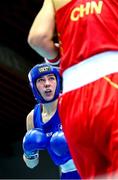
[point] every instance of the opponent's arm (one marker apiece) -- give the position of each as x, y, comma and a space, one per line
41, 34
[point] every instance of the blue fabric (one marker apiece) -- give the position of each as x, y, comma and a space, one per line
70, 175
52, 126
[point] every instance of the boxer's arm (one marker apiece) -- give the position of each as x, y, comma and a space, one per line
33, 141
59, 144
42, 31
56, 60
29, 121
30, 162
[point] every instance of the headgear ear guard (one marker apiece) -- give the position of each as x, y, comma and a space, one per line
38, 71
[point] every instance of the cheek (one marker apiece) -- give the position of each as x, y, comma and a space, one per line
39, 87
55, 85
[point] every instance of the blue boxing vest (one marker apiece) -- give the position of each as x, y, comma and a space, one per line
49, 128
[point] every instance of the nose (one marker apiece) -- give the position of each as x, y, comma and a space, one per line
47, 82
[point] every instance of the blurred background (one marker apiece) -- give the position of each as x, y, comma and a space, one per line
16, 99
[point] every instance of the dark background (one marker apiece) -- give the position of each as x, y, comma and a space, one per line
16, 99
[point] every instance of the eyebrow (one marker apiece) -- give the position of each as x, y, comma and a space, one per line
50, 75
47, 75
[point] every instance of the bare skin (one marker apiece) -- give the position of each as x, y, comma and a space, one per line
42, 31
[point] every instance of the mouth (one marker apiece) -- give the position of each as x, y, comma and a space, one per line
48, 92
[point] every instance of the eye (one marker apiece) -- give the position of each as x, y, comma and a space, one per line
51, 78
40, 80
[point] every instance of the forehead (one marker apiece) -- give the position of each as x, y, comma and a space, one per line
47, 75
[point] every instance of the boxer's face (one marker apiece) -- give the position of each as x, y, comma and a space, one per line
46, 85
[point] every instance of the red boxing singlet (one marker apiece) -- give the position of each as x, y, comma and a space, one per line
86, 28
88, 35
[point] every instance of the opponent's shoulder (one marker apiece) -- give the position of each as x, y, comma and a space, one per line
60, 3
29, 120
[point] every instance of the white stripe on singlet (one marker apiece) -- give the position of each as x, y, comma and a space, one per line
90, 70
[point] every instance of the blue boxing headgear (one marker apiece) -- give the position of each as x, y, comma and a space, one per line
38, 71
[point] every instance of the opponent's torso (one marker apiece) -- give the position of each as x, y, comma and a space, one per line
86, 28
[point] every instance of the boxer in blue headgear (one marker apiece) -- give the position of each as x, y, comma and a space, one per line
38, 71
44, 129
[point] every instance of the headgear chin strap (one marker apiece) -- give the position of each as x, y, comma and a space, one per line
40, 70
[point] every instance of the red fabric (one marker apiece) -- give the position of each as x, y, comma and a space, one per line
89, 118
91, 33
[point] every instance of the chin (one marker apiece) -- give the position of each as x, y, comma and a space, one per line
48, 99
